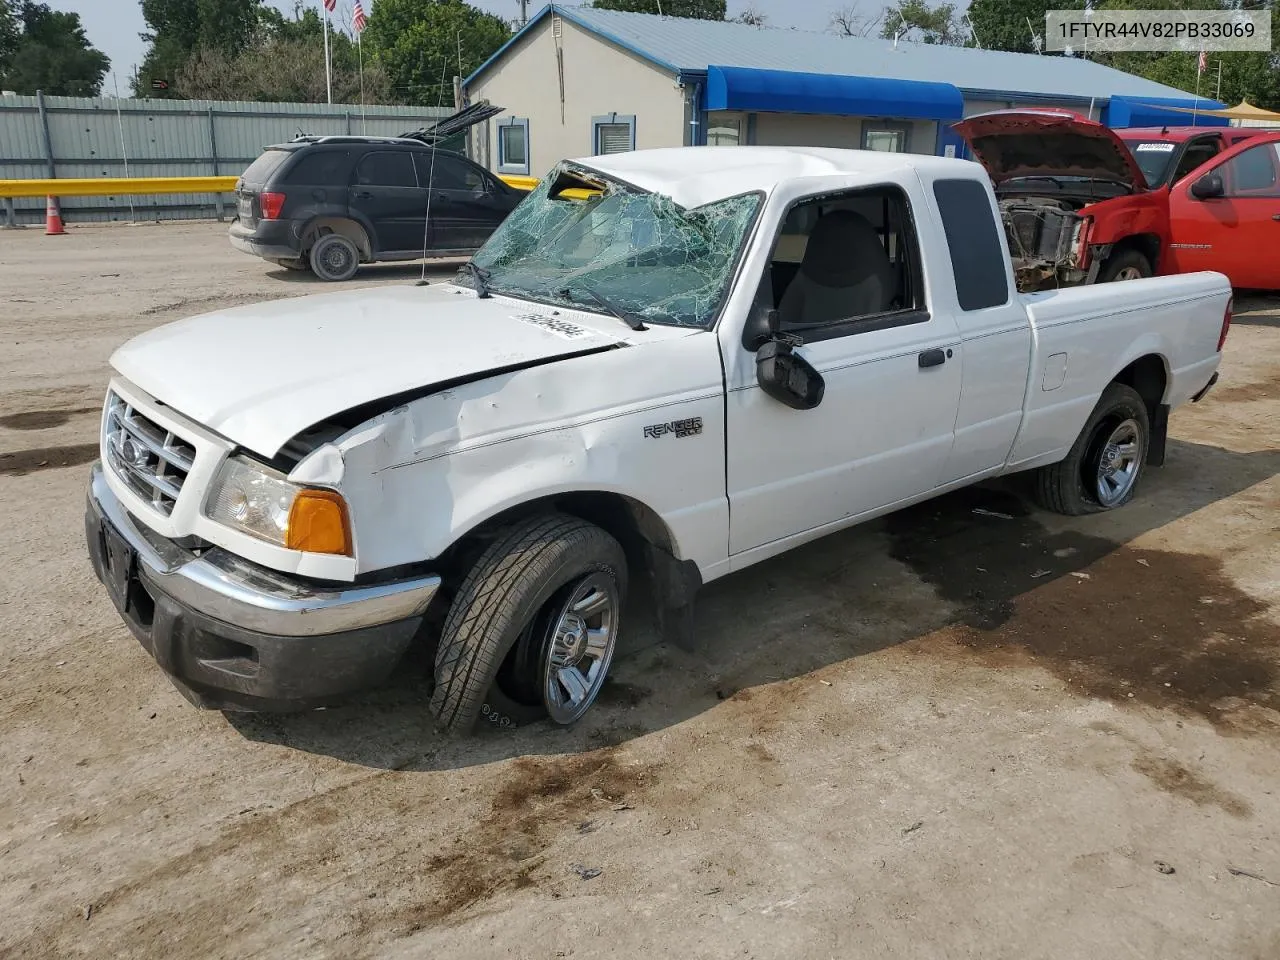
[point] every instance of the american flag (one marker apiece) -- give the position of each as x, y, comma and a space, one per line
358, 19
1200, 67
331, 5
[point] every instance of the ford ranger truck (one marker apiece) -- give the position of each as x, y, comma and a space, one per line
664, 366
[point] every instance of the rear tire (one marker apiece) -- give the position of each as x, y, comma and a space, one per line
1102, 470
495, 657
1126, 265
335, 258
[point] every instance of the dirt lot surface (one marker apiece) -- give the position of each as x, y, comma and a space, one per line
971, 730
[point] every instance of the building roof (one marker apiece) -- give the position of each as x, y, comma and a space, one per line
691, 46
693, 176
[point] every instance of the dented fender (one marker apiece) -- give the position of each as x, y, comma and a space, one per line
423, 474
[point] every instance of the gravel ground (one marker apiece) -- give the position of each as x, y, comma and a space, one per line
952, 733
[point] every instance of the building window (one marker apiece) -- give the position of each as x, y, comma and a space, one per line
614, 133
884, 136
513, 145
724, 132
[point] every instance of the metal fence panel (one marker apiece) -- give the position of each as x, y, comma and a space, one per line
104, 137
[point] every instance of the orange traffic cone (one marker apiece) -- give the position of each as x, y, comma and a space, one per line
53, 219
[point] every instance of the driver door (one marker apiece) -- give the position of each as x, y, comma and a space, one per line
884, 428
1232, 232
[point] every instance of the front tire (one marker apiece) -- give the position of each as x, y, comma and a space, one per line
335, 258
1102, 470
1126, 265
532, 628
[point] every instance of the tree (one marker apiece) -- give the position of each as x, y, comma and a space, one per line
180, 27
752, 17
691, 9
848, 22
281, 69
423, 44
916, 20
1008, 24
49, 53
8, 35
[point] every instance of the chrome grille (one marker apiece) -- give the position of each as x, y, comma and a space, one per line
152, 461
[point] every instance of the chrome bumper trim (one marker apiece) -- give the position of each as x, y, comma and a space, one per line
229, 589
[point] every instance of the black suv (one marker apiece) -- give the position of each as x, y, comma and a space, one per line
332, 203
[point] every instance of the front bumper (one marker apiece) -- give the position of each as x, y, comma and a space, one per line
236, 636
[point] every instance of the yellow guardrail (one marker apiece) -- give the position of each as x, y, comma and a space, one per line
115, 186
126, 186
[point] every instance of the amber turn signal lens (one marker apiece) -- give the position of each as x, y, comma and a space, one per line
318, 523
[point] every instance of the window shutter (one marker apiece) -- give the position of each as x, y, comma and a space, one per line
613, 138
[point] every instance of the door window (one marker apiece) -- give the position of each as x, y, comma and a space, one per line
1254, 172
1197, 153
449, 172
383, 168
847, 263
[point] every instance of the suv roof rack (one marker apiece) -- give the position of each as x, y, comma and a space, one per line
347, 138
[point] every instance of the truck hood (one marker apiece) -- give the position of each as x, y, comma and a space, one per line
1023, 143
261, 374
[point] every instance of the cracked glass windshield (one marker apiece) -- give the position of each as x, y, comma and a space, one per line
582, 240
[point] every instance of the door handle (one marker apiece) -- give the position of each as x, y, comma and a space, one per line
1275, 216
932, 358
363, 195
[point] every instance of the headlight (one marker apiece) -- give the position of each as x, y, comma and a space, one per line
258, 500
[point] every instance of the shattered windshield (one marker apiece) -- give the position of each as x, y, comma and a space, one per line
580, 239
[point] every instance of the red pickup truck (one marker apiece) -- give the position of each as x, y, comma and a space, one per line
1078, 206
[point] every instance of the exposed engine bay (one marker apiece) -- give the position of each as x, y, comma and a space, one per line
1044, 241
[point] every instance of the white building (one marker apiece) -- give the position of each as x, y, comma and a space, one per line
577, 81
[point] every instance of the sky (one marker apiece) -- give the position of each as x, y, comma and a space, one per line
113, 26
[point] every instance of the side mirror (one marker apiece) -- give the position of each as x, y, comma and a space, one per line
1208, 187
788, 377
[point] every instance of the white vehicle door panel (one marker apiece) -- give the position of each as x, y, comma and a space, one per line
882, 433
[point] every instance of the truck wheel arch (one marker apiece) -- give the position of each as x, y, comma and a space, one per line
1149, 376
1147, 244
650, 547
343, 225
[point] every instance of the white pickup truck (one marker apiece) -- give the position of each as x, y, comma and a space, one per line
668, 363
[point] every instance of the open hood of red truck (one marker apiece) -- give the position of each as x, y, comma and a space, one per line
1055, 143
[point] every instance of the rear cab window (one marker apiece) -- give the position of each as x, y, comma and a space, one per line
973, 240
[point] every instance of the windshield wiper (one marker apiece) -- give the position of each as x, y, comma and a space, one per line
480, 277
630, 319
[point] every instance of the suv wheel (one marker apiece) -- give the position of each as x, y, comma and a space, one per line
334, 257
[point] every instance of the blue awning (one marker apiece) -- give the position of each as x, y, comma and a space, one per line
785, 91
1147, 112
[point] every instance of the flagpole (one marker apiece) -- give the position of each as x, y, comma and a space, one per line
360, 55
1195, 107
328, 78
